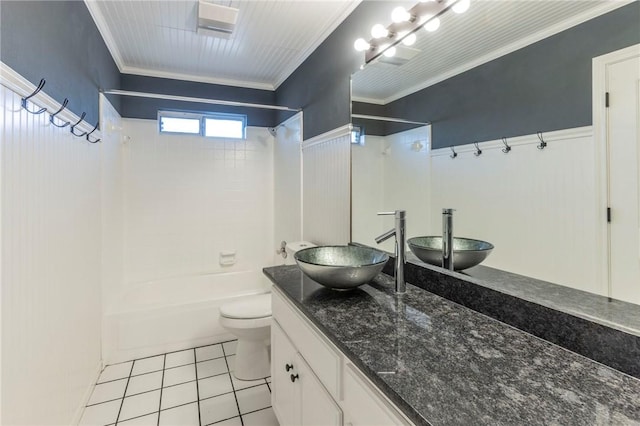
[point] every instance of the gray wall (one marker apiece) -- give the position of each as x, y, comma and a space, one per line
322, 84
58, 41
543, 87
148, 108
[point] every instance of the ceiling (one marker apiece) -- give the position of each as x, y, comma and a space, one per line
488, 30
272, 38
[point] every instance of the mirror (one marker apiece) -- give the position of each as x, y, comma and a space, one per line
537, 206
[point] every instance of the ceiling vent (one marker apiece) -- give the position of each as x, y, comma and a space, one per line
215, 20
403, 55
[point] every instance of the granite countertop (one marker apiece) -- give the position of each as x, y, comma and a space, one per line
444, 364
623, 316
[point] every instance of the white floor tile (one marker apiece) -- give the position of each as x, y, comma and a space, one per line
218, 408
176, 359
139, 405
185, 415
177, 375
101, 414
115, 372
148, 420
215, 385
144, 383
230, 347
253, 399
243, 384
229, 422
231, 361
260, 418
209, 352
211, 368
179, 395
147, 365
268, 379
108, 391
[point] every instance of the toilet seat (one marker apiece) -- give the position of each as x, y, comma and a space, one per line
249, 308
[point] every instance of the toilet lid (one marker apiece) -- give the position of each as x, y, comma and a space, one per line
250, 307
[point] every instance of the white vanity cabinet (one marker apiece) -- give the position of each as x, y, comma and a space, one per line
313, 383
298, 397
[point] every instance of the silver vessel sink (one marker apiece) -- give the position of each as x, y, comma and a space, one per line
466, 252
341, 267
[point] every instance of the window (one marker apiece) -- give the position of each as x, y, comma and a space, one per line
216, 125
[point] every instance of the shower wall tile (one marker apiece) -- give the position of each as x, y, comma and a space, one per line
189, 198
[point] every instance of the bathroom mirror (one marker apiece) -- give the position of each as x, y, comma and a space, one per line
537, 206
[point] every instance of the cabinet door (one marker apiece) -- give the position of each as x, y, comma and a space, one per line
317, 408
285, 394
364, 406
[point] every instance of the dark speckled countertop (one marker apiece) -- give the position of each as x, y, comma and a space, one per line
444, 364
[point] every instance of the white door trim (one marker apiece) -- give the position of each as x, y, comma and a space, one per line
599, 89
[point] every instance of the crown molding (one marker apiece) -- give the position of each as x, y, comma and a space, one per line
290, 69
103, 29
197, 78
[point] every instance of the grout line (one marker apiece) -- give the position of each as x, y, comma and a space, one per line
125, 392
197, 388
164, 362
232, 386
265, 380
223, 420
136, 417
255, 411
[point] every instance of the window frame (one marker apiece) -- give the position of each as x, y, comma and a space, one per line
202, 117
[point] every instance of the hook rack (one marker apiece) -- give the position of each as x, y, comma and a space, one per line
35, 92
51, 117
542, 143
74, 126
455, 154
506, 148
89, 134
478, 150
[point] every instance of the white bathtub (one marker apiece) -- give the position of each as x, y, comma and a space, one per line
174, 313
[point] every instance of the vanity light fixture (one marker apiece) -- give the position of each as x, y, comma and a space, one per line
405, 24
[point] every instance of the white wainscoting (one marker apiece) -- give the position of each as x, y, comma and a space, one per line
390, 173
287, 176
538, 207
326, 183
51, 254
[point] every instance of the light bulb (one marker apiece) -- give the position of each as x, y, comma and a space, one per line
432, 25
361, 45
400, 14
462, 6
379, 31
390, 52
409, 40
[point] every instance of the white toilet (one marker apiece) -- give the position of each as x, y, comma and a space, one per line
249, 319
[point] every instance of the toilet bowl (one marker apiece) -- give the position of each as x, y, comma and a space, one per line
249, 319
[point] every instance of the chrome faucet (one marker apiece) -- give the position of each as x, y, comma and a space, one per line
447, 238
399, 231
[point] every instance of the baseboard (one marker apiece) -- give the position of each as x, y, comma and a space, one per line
137, 353
87, 394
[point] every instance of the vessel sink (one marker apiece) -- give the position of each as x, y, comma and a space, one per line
341, 267
466, 252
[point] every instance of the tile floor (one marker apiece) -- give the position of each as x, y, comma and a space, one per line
191, 387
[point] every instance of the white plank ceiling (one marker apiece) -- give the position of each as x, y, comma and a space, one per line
272, 38
489, 29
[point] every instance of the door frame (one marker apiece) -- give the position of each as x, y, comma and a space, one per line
601, 156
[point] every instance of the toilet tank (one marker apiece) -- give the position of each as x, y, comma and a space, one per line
293, 247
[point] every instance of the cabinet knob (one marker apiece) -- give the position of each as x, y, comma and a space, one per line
293, 378
288, 367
